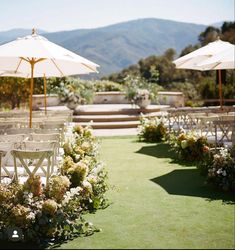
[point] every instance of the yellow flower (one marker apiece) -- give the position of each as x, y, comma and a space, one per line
184, 144
50, 207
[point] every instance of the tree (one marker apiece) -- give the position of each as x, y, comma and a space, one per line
14, 90
228, 32
209, 35
169, 54
190, 48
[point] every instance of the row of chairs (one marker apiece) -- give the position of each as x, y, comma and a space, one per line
217, 126
196, 120
6, 125
50, 113
29, 153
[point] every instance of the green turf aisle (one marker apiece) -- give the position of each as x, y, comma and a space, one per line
157, 203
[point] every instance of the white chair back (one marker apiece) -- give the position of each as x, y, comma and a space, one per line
32, 161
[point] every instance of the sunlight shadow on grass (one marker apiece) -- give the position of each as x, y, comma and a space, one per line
163, 150
188, 182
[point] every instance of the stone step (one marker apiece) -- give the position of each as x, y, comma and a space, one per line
112, 117
111, 125
115, 109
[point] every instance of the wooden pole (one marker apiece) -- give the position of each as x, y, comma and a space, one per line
45, 93
31, 94
220, 89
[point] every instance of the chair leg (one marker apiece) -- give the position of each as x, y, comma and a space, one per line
48, 170
15, 168
0, 168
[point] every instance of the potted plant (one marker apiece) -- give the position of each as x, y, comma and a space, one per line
142, 98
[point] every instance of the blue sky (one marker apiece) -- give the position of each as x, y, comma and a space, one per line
54, 15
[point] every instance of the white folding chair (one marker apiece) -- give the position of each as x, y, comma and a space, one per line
45, 137
6, 158
45, 145
14, 131
13, 138
32, 161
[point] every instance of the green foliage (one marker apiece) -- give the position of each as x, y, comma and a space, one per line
75, 90
221, 170
208, 88
152, 130
188, 49
134, 84
189, 89
228, 32
209, 35
105, 85
83, 168
194, 84
191, 147
14, 91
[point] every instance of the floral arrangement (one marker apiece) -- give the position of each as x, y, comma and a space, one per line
83, 169
55, 213
152, 129
137, 88
191, 147
221, 171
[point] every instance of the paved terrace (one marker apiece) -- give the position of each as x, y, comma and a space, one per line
110, 110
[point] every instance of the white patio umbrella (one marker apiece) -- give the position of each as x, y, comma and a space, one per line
35, 56
223, 60
194, 59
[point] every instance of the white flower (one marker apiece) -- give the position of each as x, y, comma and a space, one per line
69, 195
92, 179
219, 171
87, 185
224, 173
97, 169
31, 216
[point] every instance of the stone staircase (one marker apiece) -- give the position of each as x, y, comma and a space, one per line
116, 116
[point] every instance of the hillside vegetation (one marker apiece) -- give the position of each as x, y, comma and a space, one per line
195, 84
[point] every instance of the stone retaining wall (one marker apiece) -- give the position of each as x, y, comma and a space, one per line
112, 97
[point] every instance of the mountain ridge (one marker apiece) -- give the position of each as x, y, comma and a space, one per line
117, 46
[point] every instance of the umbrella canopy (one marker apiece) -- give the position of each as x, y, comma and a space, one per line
223, 60
195, 59
192, 60
35, 56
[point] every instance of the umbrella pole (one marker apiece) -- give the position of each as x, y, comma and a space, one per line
31, 94
220, 89
45, 93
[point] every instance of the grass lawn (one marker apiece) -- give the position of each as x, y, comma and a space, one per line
157, 202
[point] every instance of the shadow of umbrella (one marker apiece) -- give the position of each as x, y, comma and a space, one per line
188, 182
164, 150
160, 150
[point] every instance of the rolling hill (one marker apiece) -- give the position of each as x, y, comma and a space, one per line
117, 46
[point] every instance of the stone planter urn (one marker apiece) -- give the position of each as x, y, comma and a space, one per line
143, 103
72, 105
72, 101
142, 98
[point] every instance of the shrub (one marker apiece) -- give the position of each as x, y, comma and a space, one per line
100, 86
76, 91
192, 148
221, 171
83, 168
133, 85
152, 130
